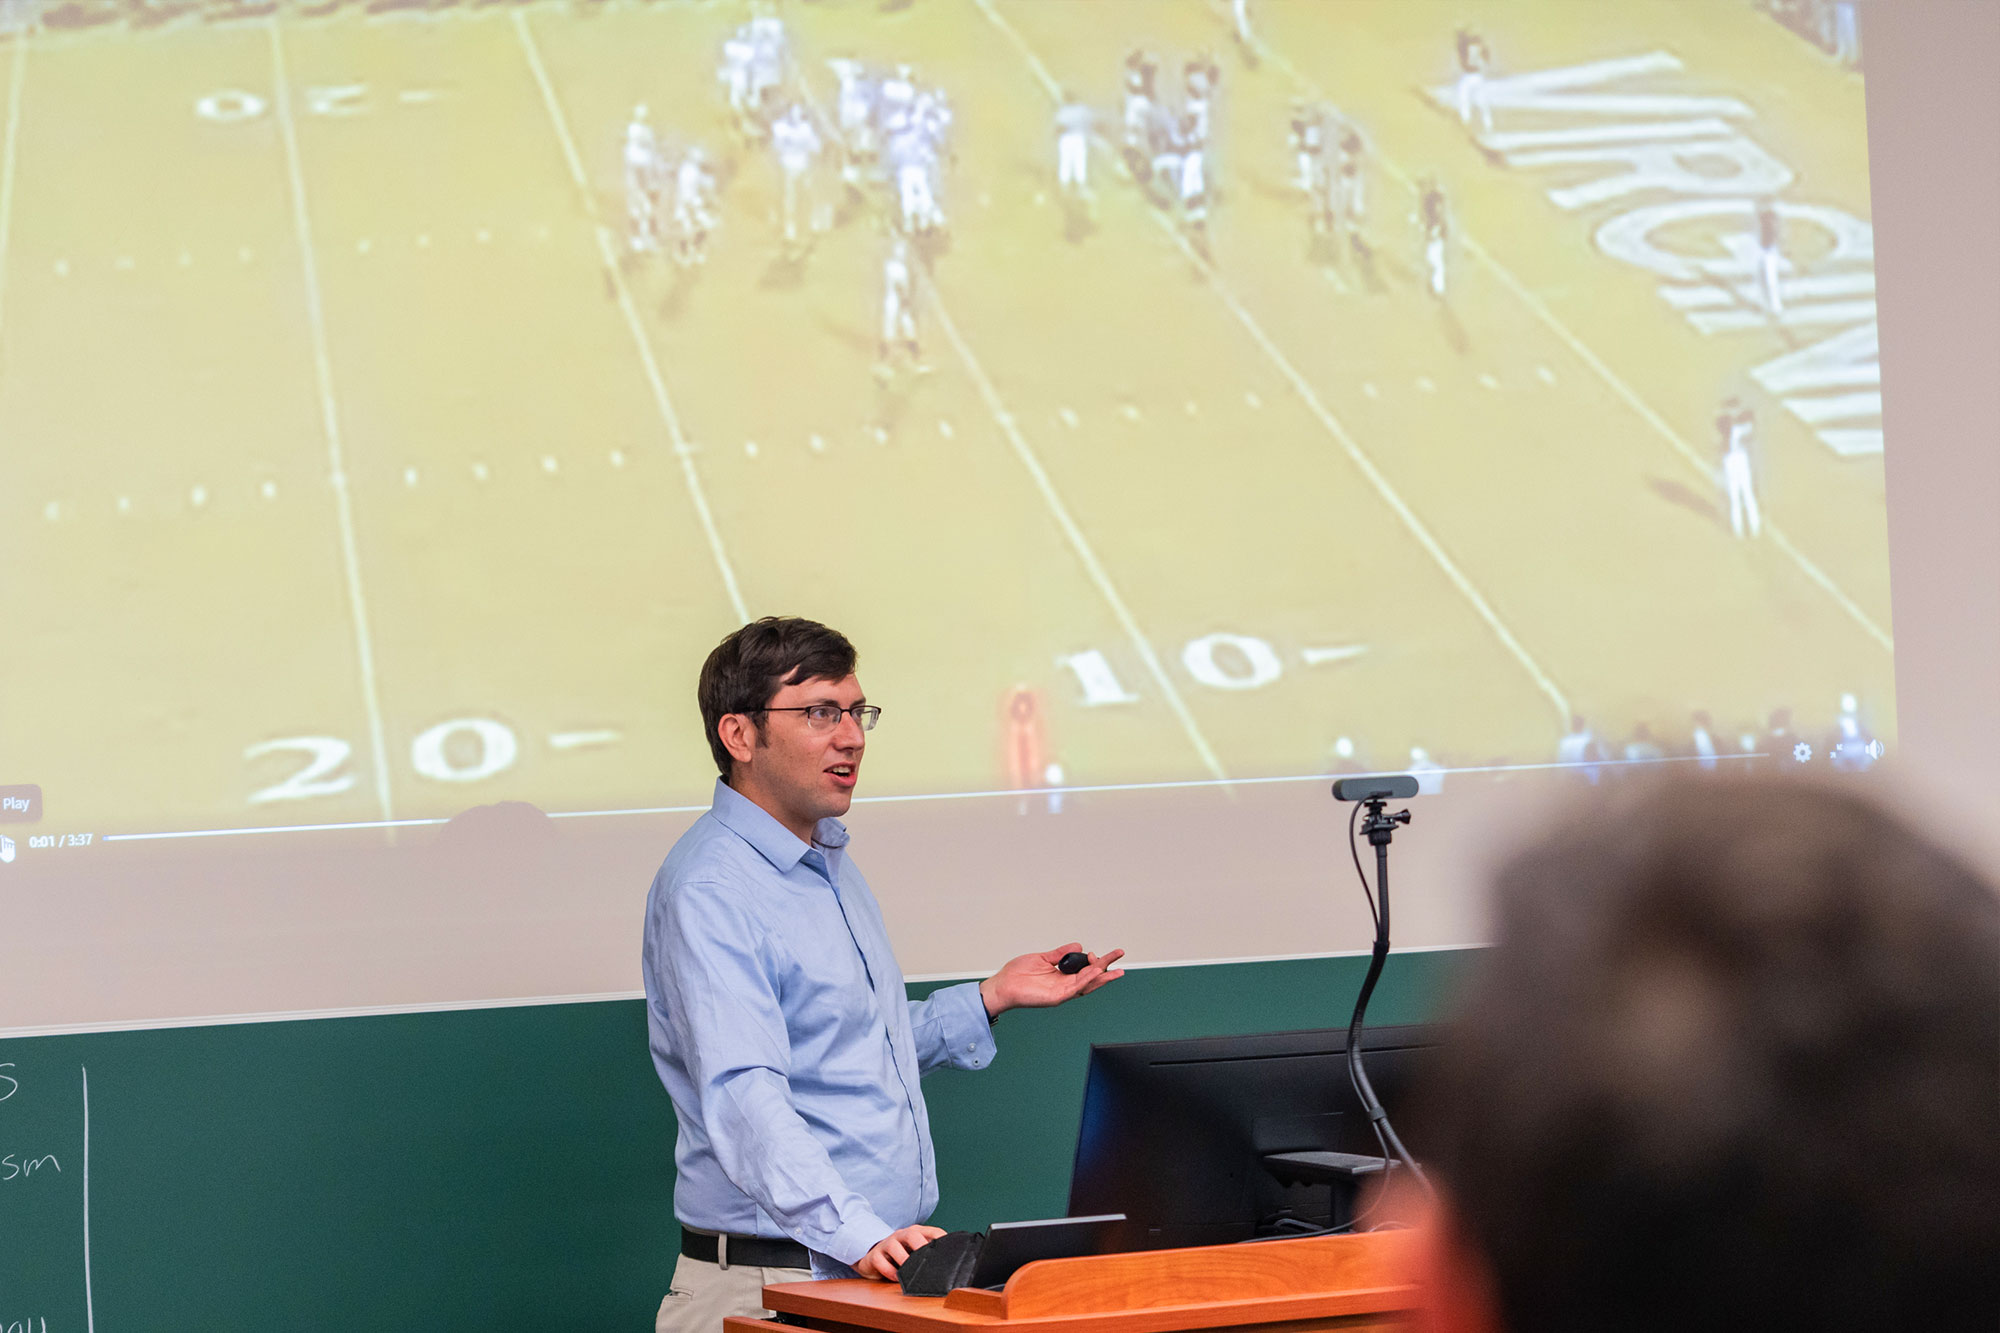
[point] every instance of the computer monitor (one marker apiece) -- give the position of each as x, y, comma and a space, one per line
1175, 1133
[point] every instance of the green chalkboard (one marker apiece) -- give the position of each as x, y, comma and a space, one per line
495, 1169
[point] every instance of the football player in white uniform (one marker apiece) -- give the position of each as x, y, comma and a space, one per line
1350, 185
1735, 425
1434, 221
1140, 72
767, 64
897, 100
1193, 143
1073, 123
856, 108
1471, 85
1308, 140
797, 143
1201, 76
1770, 256
899, 311
1580, 749
734, 74
694, 210
643, 171
913, 160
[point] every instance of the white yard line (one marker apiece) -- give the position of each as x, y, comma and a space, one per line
608, 250
1540, 309
330, 422
1331, 423
8, 157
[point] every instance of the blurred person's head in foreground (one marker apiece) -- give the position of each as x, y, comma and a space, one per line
1733, 1063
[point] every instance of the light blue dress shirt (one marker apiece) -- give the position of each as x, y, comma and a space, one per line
779, 1024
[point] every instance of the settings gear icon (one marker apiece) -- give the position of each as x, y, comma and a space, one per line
1802, 752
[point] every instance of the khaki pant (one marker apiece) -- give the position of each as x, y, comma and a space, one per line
704, 1294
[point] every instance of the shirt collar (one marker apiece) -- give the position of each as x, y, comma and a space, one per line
758, 827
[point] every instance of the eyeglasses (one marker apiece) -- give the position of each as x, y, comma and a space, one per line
822, 717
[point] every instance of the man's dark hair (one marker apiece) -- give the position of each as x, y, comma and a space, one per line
753, 664
1733, 1063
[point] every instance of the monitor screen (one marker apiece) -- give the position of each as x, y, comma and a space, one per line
1174, 1132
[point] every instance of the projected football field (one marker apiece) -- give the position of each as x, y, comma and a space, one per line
359, 466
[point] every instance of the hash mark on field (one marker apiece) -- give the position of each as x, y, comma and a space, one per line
270, 489
945, 429
649, 363
1489, 381
198, 496
482, 235
1069, 417
423, 240
409, 476
1193, 409
881, 434
1544, 374
1321, 656
577, 740
750, 448
479, 472
52, 511
62, 268
1129, 411
817, 444
124, 264
618, 458
124, 504
364, 245
1252, 401
186, 260
549, 464
1370, 389
244, 254
1425, 384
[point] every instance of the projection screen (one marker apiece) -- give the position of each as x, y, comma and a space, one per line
1178, 403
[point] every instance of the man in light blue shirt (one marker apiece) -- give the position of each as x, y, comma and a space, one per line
775, 1009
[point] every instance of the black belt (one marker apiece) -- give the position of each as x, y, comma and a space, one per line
748, 1251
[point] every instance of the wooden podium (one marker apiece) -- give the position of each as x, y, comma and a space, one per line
1325, 1282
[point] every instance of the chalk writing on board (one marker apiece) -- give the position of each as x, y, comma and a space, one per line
19, 1166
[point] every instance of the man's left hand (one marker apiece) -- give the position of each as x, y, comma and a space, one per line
1033, 981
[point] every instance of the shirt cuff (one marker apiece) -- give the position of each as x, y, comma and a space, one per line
856, 1236
967, 1032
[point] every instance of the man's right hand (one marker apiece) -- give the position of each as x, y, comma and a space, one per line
889, 1253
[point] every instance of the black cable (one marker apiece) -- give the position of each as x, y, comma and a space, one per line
1354, 848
